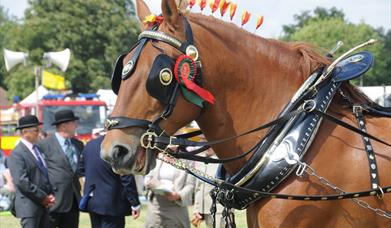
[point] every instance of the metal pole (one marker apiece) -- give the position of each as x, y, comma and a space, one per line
37, 75
384, 95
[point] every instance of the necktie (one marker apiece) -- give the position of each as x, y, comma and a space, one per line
70, 154
40, 161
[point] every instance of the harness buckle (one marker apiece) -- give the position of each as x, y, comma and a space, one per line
171, 145
381, 195
309, 105
149, 142
301, 169
357, 109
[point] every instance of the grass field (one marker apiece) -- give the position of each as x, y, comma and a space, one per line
7, 220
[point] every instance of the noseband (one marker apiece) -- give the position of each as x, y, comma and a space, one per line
160, 83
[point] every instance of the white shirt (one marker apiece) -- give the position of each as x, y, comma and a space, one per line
29, 146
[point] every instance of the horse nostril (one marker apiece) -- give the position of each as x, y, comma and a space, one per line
119, 152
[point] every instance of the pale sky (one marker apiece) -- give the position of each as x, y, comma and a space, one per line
276, 12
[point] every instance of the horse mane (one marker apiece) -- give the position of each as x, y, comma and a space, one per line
309, 54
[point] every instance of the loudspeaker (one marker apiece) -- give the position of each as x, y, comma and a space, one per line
60, 58
13, 58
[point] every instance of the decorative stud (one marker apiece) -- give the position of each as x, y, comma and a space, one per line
340, 197
389, 190
192, 51
165, 76
324, 198
306, 198
127, 68
372, 193
356, 195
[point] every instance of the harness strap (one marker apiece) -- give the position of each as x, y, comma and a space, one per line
255, 195
131, 65
174, 141
374, 175
184, 142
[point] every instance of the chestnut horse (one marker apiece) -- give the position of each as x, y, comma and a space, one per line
252, 79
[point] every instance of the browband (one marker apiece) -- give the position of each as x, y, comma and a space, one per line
157, 35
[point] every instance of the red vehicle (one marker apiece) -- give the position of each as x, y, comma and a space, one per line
92, 113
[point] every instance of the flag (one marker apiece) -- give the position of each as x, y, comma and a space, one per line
224, 6
53, 81
232, 10
259, 22
214, 5
245, 17
191, 3
202, 4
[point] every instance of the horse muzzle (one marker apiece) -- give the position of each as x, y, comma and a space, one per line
126, 160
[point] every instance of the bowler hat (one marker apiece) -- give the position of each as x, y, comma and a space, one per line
27, 121
64, 116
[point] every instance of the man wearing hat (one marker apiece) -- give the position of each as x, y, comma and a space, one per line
62, 153
30, 176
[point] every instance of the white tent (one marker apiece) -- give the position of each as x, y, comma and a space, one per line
378, 94
108, 96
32, 98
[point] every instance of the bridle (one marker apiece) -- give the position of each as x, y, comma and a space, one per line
152, 127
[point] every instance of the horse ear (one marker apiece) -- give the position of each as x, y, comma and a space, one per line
142, 11
170, 12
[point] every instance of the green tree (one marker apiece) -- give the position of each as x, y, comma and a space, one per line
326, 32
305, 17
8, 28
96, 32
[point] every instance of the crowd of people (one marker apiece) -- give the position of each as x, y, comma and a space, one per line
46, 175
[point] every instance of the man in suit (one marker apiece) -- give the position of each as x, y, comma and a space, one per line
30, 176
108, 197
62, 153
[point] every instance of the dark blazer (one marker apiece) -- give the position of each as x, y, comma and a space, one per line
32, 186
112, 194
64, 181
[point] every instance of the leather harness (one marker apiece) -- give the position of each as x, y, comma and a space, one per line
295, 128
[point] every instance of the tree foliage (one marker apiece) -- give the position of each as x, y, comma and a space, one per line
8, 28
325, 29
96, 32
306, 17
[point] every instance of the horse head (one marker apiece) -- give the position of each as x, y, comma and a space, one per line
148, 93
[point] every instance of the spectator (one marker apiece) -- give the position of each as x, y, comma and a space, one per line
202, 199
7, 188
30, 175
108, 197
171, 191
62, 153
